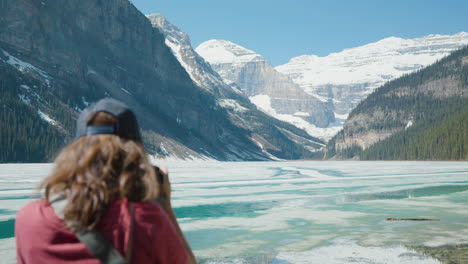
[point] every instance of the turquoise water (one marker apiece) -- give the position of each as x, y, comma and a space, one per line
295, 212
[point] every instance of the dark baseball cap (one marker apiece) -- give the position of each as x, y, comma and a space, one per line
126, 127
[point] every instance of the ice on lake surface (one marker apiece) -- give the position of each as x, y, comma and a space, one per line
295, 212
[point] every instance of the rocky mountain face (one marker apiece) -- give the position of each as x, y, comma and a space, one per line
200, 71
270, 90
416, 116
347, 77
241, 111
58, 56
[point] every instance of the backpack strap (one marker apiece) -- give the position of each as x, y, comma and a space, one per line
130, 239
100, 247
96, 243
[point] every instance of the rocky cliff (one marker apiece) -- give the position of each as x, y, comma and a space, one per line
62, 55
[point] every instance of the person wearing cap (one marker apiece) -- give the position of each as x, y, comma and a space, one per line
104, 202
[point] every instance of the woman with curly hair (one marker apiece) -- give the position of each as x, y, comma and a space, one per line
104, 202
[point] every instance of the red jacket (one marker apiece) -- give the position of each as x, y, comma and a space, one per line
42, 238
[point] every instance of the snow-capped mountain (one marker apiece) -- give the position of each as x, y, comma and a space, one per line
241, 111
221, 53
270, 90
349, 76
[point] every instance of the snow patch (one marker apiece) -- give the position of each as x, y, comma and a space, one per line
410, 123
321, 98
341, 116
26, 67
30, 92
301, 114
163, 150
232, 104
126, 91
24, 99
24, 86
168, 157
47, 118
264, 103
322, 133
91, 71
86, 103
272, 157
233, 86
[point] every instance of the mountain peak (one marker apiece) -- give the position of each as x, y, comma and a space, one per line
390, 41
172, 33
155, 16
217, 51
159, 20
462, 34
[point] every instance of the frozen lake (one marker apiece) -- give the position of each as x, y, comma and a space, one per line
295, 212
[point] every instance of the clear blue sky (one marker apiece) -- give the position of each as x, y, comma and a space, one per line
282, 29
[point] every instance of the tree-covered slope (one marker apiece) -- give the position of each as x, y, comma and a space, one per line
26, 135
441, 136
405, 118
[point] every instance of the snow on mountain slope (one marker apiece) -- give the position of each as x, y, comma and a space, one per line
255, 76
25, 67
229, 61
347, 77
219, 51
264, 102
